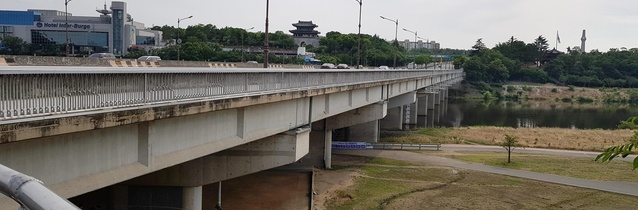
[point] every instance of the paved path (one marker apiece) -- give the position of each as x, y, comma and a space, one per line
568, 153
626, 188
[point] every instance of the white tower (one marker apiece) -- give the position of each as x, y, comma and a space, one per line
582, 44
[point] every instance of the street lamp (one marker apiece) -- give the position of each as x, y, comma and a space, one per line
242, 42
179, 45
66, 25
359, 35
396, 33
415, 36
266, 36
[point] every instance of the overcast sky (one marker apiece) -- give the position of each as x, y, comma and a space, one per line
453, 23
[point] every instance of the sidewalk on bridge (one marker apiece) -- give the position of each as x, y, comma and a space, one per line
626, 188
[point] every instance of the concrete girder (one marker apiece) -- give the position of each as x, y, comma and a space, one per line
267, 153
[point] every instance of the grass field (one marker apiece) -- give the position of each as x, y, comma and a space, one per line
396, 185
555, 138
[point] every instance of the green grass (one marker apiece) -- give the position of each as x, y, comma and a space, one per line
585, 168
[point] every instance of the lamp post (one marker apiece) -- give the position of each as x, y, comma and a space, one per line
66, 26
179, 44
266, 36
396, 33
242, 42
415, 36
359, 35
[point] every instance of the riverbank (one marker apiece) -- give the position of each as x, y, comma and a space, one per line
552, 138
550, 92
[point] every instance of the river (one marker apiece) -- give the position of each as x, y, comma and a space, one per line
537, 114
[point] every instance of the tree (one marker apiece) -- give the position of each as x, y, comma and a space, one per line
478, 47
622, 150
15, 46
510, 143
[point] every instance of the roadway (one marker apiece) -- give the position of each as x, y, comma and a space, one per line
626, 188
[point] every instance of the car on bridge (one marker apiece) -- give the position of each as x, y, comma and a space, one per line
327, 66
102, 55
343, 66
149, 58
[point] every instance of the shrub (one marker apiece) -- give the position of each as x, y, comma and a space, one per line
511, 89
571, 88
554, 90
566, 100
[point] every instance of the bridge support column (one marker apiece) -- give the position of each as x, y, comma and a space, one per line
411, 113
422, 112
437, 108
394, 119
327, 155
444, 102
192, 198
366, 132
431, 107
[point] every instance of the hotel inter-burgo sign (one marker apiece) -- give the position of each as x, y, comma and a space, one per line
62, 25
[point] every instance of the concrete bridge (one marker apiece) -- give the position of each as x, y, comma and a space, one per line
80, 129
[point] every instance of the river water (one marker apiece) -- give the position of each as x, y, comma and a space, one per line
537, 114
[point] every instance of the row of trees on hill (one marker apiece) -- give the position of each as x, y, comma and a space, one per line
515, 60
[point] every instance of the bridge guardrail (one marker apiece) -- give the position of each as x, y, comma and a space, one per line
43, 91
395, 146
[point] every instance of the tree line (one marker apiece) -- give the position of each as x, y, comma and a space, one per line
515, 60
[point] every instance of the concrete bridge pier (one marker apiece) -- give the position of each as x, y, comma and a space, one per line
431, 109
362, 124
444, 96
422, 110
397, 108
437, 108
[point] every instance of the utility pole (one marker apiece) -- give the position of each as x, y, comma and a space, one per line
266, 37
66, 26
359, 35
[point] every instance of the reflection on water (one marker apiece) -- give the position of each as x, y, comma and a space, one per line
537, 114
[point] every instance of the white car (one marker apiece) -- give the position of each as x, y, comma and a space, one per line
327, 66
149, 58
384, 67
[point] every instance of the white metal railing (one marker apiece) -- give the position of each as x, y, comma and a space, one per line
42, 91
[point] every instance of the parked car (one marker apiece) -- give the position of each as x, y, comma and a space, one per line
343, 66
327, 66
149, 58
384, 67
252, 62
102, 55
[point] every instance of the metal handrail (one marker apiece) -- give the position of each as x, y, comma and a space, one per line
29, 192
38, 91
